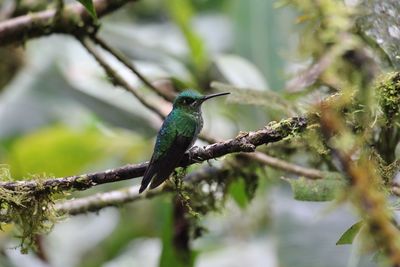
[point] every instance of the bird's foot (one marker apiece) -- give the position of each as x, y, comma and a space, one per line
194, 154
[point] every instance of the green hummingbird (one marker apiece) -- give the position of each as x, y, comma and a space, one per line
177, 134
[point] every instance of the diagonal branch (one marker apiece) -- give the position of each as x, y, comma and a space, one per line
116, 78
118, 55
72, 19
244, 142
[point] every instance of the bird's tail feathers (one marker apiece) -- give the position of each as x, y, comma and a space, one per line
148, 175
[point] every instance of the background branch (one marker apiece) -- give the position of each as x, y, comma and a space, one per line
102, 200
118, 55
286, 166
72, 19
116, 78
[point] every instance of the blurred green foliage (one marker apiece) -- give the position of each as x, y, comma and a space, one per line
237, 190
59, 150
317, 190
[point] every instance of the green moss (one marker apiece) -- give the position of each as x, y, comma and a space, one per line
318, 189
313, 138
288, 127
32, 213
388, 92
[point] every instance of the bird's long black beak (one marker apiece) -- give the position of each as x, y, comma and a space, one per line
214, 95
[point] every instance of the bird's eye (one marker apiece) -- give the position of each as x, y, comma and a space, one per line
187, 101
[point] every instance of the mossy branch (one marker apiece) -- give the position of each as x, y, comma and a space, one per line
72, 19
364, 184
119, 197
244, 142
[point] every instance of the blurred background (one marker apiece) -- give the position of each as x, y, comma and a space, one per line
60, 116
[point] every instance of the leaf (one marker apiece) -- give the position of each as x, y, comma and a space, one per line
349, 235
381, 24
237, 190
56, 150
324, 189
88, 4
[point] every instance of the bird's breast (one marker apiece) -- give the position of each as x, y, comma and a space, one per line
189, 124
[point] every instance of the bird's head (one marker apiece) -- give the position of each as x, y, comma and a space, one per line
191, 100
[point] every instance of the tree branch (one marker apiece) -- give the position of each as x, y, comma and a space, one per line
118, 55
116, 78
244, 142
121, 196
108, 199
72, 19
287, 166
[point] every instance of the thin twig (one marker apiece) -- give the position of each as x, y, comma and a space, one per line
118, 55
286, 166
116, 78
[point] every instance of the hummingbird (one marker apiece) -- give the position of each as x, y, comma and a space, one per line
178, 133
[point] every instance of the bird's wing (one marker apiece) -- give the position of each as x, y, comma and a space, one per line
168, 162
163, 163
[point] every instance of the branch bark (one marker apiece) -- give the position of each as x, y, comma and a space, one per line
72, 19
102, 200
244, 142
